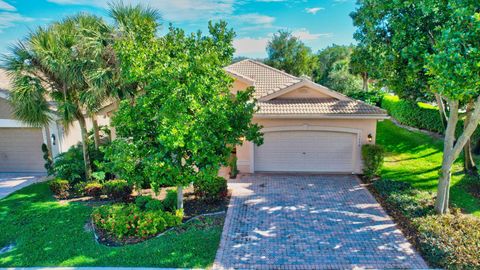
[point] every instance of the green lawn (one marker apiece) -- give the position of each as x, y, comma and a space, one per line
415, 157
51, 234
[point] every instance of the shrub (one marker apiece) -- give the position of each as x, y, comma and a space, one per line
372, 97
117, 189
70, 166
154, 205
79, 188
94, 189
450, 241
60, 188
211, 188
121, 220
232, 163
170, 201
48, 159
141, 201
373, 156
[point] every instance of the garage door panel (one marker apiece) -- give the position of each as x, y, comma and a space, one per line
20, 150
306, 151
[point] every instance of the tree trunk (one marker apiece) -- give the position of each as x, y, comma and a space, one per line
179, 197
469, 163
365, 81
452, 149
96, 131
86, 156
441, 110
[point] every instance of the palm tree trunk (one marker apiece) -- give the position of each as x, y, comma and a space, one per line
96, 131
86, 155
179, 197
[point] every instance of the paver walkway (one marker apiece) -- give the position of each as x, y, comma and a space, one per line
10, 182
310, 222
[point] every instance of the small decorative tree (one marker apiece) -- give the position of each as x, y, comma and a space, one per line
185, 124
47, 156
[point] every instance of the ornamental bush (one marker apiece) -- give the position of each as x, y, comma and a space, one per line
450, 241
170, 201
373, 156
128, 220
60, 188
94, 189
211, 188
117, 189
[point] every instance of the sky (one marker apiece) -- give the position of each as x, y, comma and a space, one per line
318, 23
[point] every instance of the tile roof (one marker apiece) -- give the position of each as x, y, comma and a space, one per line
317, 106
267, 79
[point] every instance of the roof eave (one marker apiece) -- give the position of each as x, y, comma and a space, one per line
319, 116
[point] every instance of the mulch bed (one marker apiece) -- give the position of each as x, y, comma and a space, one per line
193, 208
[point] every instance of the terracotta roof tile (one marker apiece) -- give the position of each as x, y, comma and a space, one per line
317, 106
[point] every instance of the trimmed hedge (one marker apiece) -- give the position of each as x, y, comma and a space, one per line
419, 115
373, 155
414, 114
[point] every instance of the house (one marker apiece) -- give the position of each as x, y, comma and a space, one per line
307, 127
20, 144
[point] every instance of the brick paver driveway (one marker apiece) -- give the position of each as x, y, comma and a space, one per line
309, 222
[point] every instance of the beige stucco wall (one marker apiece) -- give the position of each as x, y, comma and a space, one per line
303, 92
72, 136
5, 109
364, 126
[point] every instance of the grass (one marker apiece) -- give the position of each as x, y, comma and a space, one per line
47, 233
416, 158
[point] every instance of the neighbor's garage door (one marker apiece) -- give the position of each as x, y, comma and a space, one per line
20, 150
306, 151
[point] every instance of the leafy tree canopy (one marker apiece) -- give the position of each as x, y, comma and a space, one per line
288, 53
185, 124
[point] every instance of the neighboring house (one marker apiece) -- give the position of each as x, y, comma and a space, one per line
307, 127
20, 144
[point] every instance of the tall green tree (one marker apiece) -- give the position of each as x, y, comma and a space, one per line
411, 40
184, 125
362, 63
455, 69
51, 65
288, 53
326, 60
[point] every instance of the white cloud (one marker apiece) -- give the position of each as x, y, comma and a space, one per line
6, 6
250, 46
313, 10
8, 20
304, 34
178, 10
255, 18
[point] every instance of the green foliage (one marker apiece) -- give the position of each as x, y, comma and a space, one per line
193, 245
59, 187
232, 164
450, 241
211, 189
69, 165
170, 201
94, 189
47, 156
126, 220
411, 114
454, 63
99, 176
326, 59
340, 79
79, 188
117, 189
288, 53
372, 97
184, 125
372, 156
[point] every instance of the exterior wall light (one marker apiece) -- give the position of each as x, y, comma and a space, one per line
370, 137
54, 139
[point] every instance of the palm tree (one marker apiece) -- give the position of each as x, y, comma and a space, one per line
52, 64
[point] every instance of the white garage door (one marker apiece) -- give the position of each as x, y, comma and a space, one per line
306, 151
20, 150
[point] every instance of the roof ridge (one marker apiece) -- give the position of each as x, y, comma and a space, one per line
271, 68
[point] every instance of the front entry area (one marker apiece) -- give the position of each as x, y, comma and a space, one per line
306, 151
